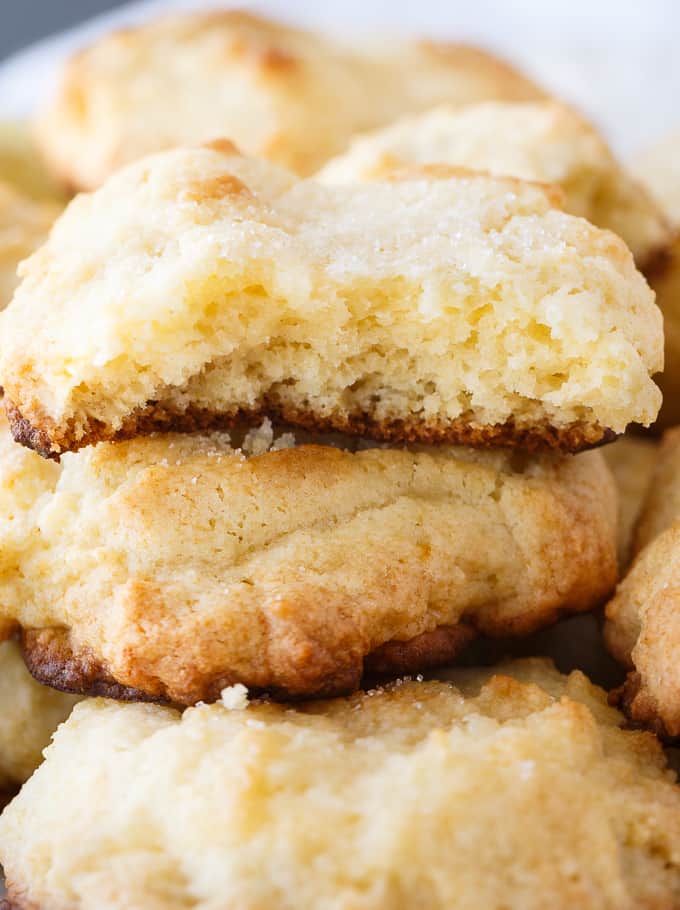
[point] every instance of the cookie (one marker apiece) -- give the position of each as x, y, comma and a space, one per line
659, 168
29, 714
661, 505
517, 789
22, 166
543, 141
170, 566
664, 279
632, 460
643, 633
643, 627
281, 93
199, 285
24, 225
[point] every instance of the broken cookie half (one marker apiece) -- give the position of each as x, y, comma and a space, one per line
199, 286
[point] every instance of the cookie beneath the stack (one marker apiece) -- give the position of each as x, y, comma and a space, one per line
516, 788
540, 140
29, 714
643, 619
199, 285
170, 566
282, 93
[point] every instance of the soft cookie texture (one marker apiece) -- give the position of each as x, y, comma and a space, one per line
199, 285
24, 225
29, 714
170, 566
517, 790
543, 141
643, 628
281, 93
632, 460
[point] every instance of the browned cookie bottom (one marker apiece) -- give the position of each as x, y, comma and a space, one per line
50, 439
53, 661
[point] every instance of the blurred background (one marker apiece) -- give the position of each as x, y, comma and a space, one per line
617, 62
28, 21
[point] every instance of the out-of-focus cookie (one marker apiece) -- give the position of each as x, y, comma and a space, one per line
543, 141
665, 281
632, 461
658, 166
170, 566
661, 505
643, 633
29, 714
199, 285
24, 226
516, 789
22, 166
659, 169
643, 628
281, 93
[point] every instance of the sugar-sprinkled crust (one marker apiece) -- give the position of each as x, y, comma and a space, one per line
440, 307
534, 140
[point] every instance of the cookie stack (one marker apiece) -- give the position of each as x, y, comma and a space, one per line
273, 438
429, 311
